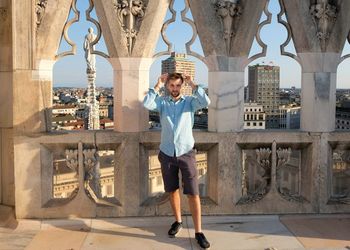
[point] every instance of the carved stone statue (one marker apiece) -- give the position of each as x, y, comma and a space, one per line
92, 171
223, 11
324, 15
227, 11
40, 10
130, 14
137, 9
90, 58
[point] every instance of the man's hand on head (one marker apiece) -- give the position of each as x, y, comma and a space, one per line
161, 81
188, 79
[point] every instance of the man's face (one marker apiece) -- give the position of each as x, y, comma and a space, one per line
174, 87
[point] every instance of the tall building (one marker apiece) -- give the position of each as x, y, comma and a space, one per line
254, 116
290, 117
178, 63
246, 94
263, 85
342, 118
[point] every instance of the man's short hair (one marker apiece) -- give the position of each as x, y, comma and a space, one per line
175, 76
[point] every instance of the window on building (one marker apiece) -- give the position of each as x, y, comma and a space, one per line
159, 181
109, 190
201, 172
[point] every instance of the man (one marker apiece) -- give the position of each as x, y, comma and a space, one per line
176, 147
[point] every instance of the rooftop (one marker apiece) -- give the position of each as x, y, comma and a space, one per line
224, 232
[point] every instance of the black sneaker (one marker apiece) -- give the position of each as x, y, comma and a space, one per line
202, 241
174, 229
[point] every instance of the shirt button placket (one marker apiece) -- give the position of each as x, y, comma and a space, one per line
174, 112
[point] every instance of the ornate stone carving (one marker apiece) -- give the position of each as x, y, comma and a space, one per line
40, 10
283, 158
228, 10
258, 38
129, 14
194, 32
72, 159
3, 14
340, 177
262, 161
166, 40
98, 31
283, 46
263, 172
324, 15
92, 173
65, 32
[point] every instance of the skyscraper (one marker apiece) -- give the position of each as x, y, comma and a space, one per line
263, 85
178, 63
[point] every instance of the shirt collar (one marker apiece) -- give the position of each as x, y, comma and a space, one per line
171, 99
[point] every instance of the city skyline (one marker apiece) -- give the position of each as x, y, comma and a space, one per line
70, 71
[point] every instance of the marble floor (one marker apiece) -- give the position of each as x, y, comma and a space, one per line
223, 232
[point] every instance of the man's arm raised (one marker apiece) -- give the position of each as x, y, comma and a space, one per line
200, 99
151, 100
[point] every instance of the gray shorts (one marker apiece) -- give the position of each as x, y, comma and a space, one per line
170, 171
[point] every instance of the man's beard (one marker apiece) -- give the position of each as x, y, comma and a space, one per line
175, 93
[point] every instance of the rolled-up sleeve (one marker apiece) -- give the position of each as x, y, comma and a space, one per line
152, 100
200, 99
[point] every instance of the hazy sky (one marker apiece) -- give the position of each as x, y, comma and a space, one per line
70, 70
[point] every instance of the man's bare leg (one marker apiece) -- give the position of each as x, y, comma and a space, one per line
175, 204
195, 207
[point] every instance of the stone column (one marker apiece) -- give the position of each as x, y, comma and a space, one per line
318, 88
23, 94
127, 179
6, 102
131, 82
226, 92
31, 93
43, 77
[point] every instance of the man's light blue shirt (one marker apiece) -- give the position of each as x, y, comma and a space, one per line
176, 118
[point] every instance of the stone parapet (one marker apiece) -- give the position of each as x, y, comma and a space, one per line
265, 172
